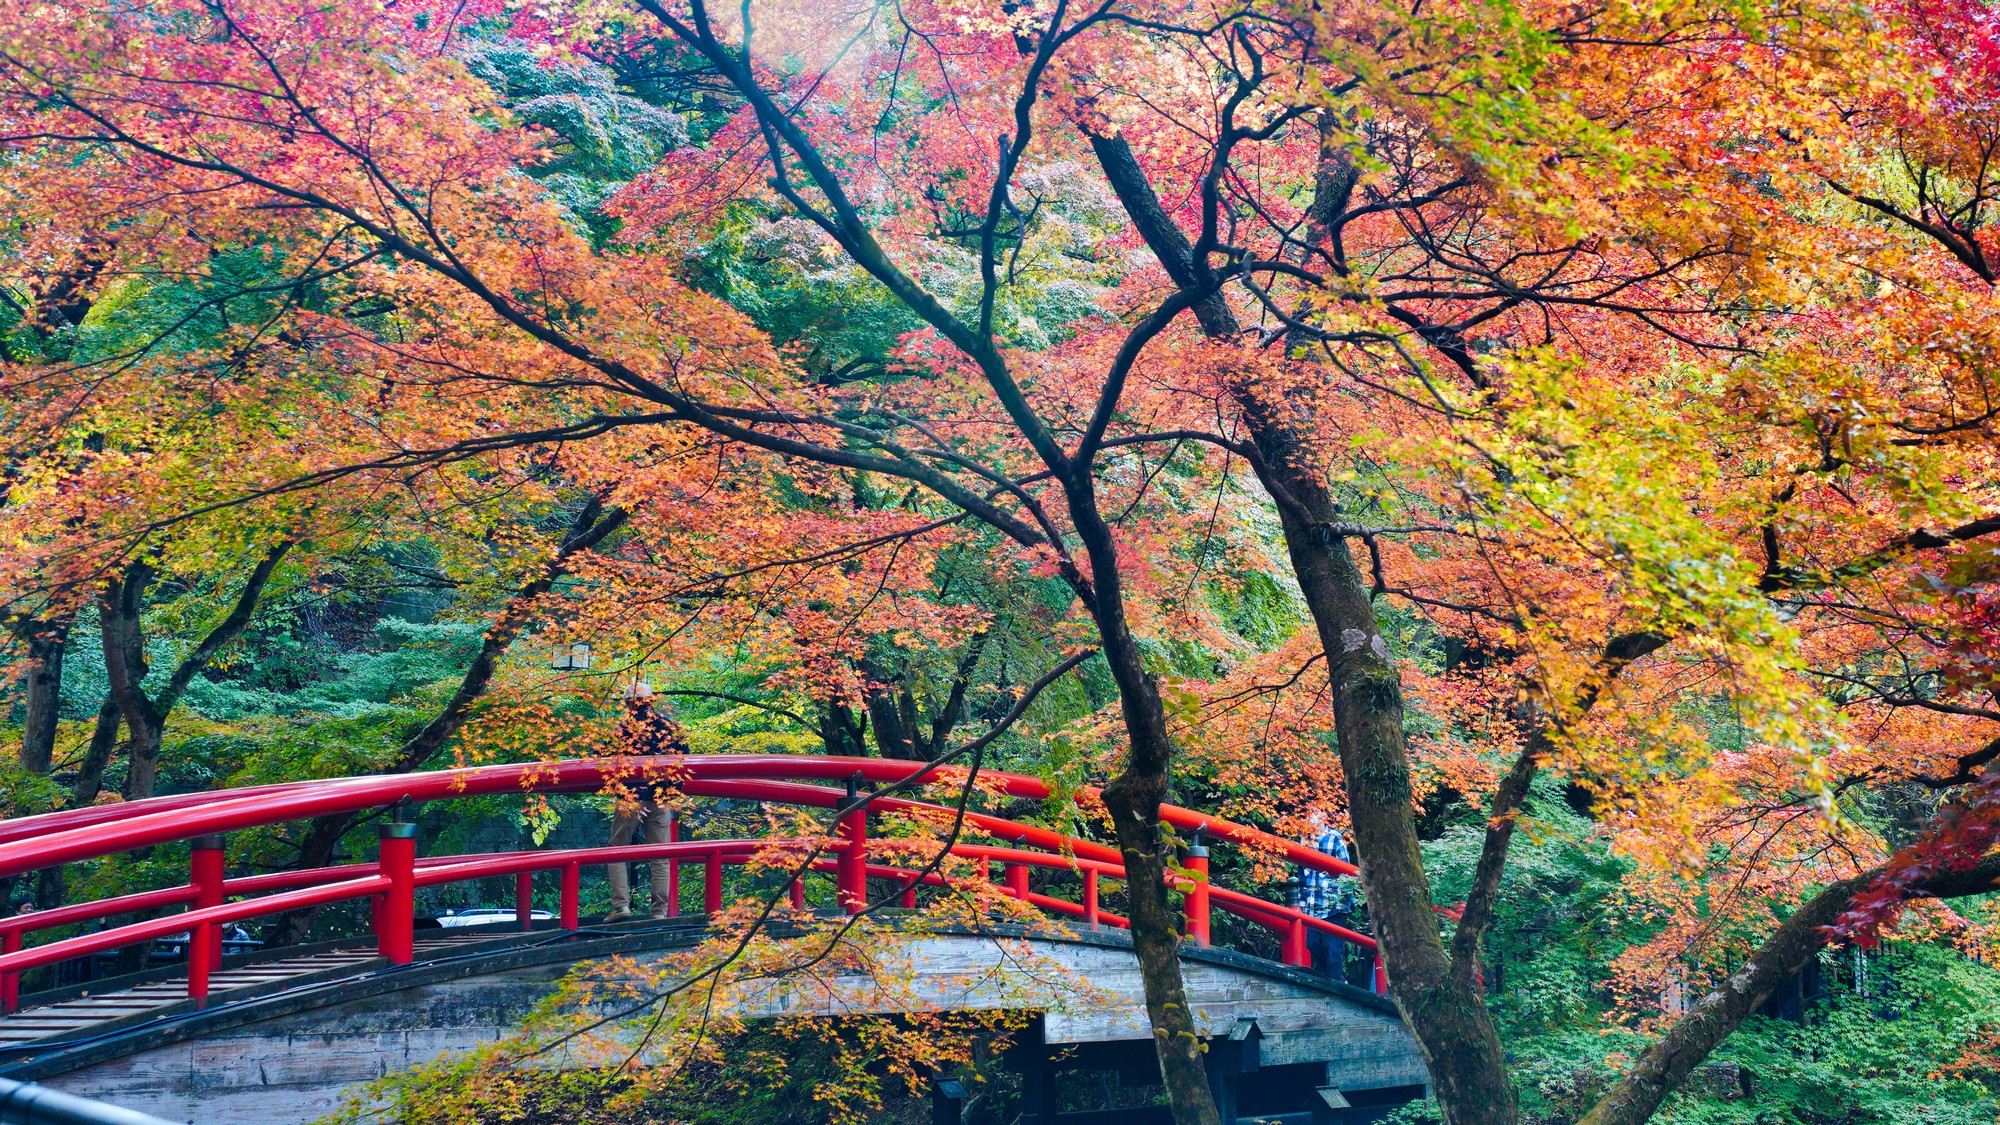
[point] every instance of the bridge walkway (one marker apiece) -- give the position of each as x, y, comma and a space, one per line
90, 1010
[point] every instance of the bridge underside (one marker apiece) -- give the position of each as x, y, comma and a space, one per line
296, 1035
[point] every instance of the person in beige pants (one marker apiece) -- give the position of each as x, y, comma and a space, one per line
658, 822
646, 732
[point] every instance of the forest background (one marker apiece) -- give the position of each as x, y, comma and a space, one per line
1555, 442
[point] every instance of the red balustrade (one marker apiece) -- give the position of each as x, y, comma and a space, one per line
711, 881
572, 885
396, 911
391, 882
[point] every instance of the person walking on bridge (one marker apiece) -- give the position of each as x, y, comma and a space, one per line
644, 732
1323, 894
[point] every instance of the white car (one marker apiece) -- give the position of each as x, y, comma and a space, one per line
485, 916
173, 947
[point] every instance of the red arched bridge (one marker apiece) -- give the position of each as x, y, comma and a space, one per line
864, 868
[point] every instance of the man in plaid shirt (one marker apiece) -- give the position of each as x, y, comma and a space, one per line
1323, 894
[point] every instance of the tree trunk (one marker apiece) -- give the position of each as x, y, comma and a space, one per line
48, 888
44, 694
885, 714
1133, 799
103, 741
1444, 1009
142, 764
840, 732
948, 716
119, 609
125, 667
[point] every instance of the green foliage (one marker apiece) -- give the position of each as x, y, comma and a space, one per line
1852, 1062
783, 274
292, 675
601, 136
788, 277
22, 792
298, 702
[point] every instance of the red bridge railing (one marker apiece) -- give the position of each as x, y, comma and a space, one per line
390, 883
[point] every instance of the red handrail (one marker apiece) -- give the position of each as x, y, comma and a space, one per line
90, 911
30, 843
1248, 906
85, 944
34, 842
20, 828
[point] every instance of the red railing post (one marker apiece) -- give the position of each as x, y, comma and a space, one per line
524, 900
198, 970
910, 894
1090, 897
799, 893
572, 885
711, 883
10, 984
395, 921
207, 864
1381, 977
673, 866
1296, 953
851, 873
1198, 915
206, 870
1017, 880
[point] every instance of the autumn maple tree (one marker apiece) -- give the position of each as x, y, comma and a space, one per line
1643, 357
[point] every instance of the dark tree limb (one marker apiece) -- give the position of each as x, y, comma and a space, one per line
1133, 797
1780, 579
42, 692
145, 716
1446, 1014
1958, 243
226, 632
949, 715
894, 737
1476, 917
592, 523
1673, 1055
1969, 768
97, 756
